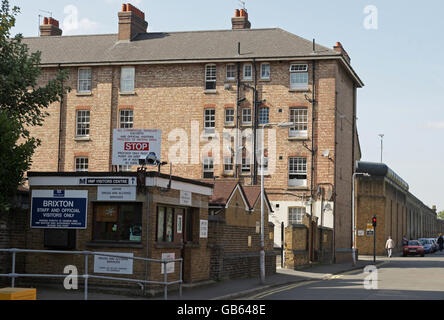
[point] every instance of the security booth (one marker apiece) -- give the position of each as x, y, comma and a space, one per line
146, 215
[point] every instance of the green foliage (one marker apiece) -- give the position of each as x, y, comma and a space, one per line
22, 103
441, 215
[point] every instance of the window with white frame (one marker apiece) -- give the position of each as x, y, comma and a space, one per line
295, 215
246, 116
246, 165
208, 168
229, 116
126, 119
297, 172
299, 116
81, 164
264, 115
82, 123
248, 72
84, 84
210, 77
299, 76
127, 79
231, 71
209, 121
228, 164
265, 71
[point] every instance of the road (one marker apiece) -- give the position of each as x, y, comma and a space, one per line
400, 278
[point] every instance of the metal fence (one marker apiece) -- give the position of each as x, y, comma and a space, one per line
87, 276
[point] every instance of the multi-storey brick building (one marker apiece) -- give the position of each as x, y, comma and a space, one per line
195, 86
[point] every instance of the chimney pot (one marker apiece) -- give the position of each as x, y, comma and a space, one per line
131, 22
237, 13
50, 27
240, 21
45, 20
124, 7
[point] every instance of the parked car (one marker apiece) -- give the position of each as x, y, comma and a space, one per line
428, 244
413, 248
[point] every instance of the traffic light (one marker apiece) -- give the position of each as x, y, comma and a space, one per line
374, 221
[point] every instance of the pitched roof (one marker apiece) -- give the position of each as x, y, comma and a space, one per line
222, 191
172, 46
253, 193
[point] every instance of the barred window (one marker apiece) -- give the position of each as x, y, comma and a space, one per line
81, 164
126, 119
295, 215
208, 168
299, 116
297, 172
264, 115
228, 164
82, 123
210, 77
84, 85
209, 120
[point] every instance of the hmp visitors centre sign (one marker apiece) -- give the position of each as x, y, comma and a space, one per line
59, 209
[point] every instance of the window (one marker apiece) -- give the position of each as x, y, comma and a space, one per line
82, 123
165, 222
118, 222
246, 116
127, 79
208, 168
126, 119
228, 165
246, 165
295, 215
248, 72
81, 164
299, 76
84, 85
297, 172
264, 115
209, 120
265, 71
210, 77
229, 116
299, 117
231, 71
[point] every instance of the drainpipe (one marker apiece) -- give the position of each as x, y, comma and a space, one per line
313, 102
334, 179
255, 124
236, 142
59, 159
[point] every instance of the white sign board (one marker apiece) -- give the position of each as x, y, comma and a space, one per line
131, 144
170, 265
204, 228
116, 193
114, 265
185, 198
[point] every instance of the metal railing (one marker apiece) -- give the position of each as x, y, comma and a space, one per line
87, 276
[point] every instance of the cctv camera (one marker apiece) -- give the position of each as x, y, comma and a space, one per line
151, 159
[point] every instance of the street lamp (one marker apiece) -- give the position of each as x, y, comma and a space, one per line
353, 213
382, 138
262, 252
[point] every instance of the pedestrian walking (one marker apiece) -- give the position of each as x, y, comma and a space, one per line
440, 242
389, 245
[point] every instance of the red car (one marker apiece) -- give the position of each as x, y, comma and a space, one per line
413, 248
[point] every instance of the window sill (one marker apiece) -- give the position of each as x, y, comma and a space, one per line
298, 188
84, 94
246, 125
136, 245
302, 138
265, 80
82, 139
229, 125
230, 81
210, 91
167, 245
228, 174
299, 90
127, 93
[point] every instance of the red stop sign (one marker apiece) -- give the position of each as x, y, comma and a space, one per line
137, 146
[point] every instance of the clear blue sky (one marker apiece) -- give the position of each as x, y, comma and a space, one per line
400, 62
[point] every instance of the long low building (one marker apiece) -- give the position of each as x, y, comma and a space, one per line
399, 213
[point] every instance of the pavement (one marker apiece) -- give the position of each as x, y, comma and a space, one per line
225, 290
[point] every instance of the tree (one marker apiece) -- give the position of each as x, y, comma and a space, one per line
22, 104
441, 215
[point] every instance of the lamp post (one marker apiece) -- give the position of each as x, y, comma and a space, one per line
353, 214
262, 251
382, 138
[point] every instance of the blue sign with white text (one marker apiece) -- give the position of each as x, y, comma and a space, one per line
59, 209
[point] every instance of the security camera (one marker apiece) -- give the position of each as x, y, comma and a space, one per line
150, 160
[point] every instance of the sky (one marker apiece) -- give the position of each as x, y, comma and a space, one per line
396, 48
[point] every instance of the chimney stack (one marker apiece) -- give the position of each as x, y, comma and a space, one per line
131, 22
339, 48
50, 27
240, 20
434, 208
